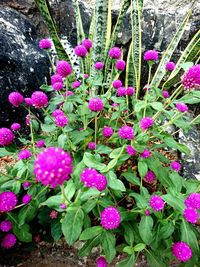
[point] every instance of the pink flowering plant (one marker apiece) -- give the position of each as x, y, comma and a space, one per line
94, 166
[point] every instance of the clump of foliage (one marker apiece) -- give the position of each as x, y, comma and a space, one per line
94, 168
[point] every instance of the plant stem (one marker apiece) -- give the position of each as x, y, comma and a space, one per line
149, 75
32, 136
41, 192
78, 195
95, 134
146, 100
63, 193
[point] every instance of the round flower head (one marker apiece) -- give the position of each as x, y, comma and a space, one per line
70, 93
191, 215
92, 145
165, 94
8, 201
99, 65
115, 105
147, 212
182, 107
121, 91
53, 214
76, 84
191, 79
131, 150
120, 65
6, 137
126, 132
63, 206
26, 199
100, 182
6, 226
40, 143
95, 104
15, 126
176, 166
193, 201
107, 131
88, 177
26, 185
150, 177
157, 203
80, 51
63, 68
56, 78
16, 99
24, 154
182, 251
145, 154
170, 66
57, 112
117, 83
8, 241
87, 43
86, 76
115, 53
146, 123
39, 99
53, 166
151, 55
57, 86
45, 44
101, 262
28, 101
130, 91
110, 218
61, 120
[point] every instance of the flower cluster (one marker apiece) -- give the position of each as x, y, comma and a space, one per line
110, 218
91, 178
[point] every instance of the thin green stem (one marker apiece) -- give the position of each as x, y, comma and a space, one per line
146, 101
78, 195
63, 193
95, 133
32, 136
46, 187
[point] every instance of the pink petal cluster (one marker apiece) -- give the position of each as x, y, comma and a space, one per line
63, 68
126, 132
26, 185
45, 44
191, 215
24, 154
56, 78
57, 112
80, 51
61, 120
165, 94
191, 79
63, 206
15, 126
123, 91
182, 251
170, 66
87, 43
6, 136
176, 166
145, 154
120, 65
99, 65
130, 91
147, 212
76, 84
53, 214
107, 131
26, 199
8, 241
115, 53
95, 104
131, 150
157, 203
101, 262
92, 145
39, 99
28, 101
150, 177
92, 178
40, 143
8, 201
146, 123
110, 218
182, 107
6, 226
57, 86
16, 99
117, 83
193, 201
151, 55
53, 166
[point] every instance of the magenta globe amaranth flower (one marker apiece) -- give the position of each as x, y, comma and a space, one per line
101, 262
88, 177
117, 83
145, 154
57, 112
8, 241
130, 91
126, 132
16, 99
121, 91
28, 101
15, 126
8, 201
107, 131
61, 120
80, 51
146, 123
193, 201
40, 143
69, 93
57, 86
56, 78
165, 94
157, 203
182, 251
170, 66
147, 212
95, 104
151, 55
6, 136
39, 99
53, 214
100, 182
191, 215
53, 166
120, 65
63, 206
76, 84
87, 43
99, 65
92, 145
131, 150
6, 226
26, 199
24, 154
182, 107
110, 218
176, 166
150, 177
115, 52
26, 185
45, 44
86, 76
63, 68
191, 78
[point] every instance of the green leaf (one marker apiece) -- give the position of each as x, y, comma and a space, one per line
27, 213
139, 105
46, 88
4, 151
48, 128
157, 105
167, 230
142, 168
154, 260
53, 202
89, 205
101, 149
140, 200
108, 244
56, 230
91, 192
70, 189
130, 261
89, 245
115, 183
171, 142
110, 165
188, 236
22, 233
145, 229
139, 247
128, 249
115, 153
72, 224
92, 162
78, 136
62, 140
131, 178
68, 107
91, 232
175, 201
128, 233
177, 181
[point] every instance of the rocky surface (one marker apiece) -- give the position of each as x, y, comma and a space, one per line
23, 66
